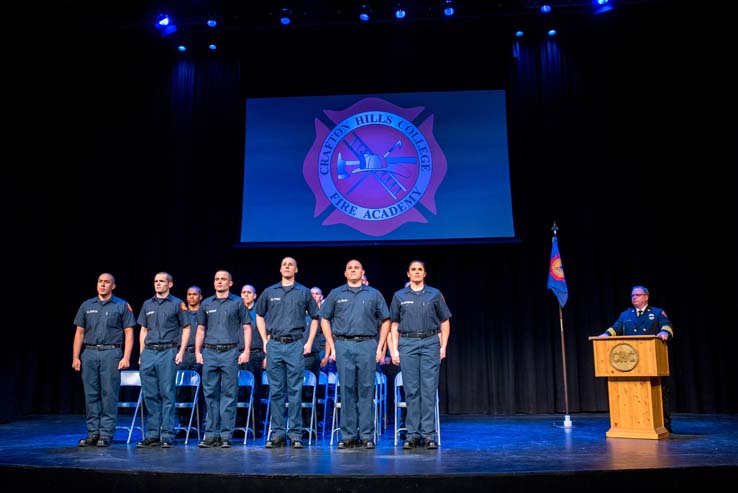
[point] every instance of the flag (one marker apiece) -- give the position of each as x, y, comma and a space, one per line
556, 280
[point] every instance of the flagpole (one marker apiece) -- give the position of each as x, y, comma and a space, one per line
567, 418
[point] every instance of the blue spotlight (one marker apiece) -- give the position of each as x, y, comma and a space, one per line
212, 23
163, 21
448, 8
365, 13
400, 12
602, 6
165, 25
552, 32
212, 47
545, 8
182, 48
285, 17
519, 34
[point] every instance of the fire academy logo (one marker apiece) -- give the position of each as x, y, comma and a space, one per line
374, 166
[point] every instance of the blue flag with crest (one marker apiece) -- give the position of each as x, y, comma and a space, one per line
556, 279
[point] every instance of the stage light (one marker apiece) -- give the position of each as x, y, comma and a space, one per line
545, 8
519, 34
285, 17
552, 32
212, 23
448, 8
165, 25
602, 6
163, 21
212, 47
365, 13
400, 12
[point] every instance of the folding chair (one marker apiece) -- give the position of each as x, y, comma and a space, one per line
131, 397
401, 404
188, 393
264, 401
309, 396
378, 404
322, 400
246, 401
383, 401
330, 398
336, 419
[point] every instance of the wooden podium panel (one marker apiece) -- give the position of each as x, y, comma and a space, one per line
633, 366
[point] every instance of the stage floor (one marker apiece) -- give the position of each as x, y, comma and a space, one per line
472, 447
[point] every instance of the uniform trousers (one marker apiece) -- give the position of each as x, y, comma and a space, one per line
101, 385
286, 373
220, 387
420, 363
357, 367
159, 386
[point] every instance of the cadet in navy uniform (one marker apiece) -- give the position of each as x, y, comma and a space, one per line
256, 359
165, 331
222, 320
314, 359
351, 317
280, 319
419, 335
104, 325
194, 298
642, 320
324, 361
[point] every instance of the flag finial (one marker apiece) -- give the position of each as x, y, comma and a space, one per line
555, 228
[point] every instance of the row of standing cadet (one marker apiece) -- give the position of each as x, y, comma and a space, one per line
358, 317
355, 322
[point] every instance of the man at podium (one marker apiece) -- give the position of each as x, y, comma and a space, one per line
640, 320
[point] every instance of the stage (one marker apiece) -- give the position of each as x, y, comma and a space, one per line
477, 453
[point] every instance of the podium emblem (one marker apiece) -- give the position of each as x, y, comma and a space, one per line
623, 357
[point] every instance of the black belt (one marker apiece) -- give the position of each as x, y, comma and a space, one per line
220, 347
418, 335
190, 349
354, 338
257, 350
160, 347
287, 339
102, 347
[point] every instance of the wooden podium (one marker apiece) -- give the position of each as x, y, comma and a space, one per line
633, 366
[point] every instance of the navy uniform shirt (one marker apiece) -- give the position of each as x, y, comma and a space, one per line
191, 317
319, 340
223, 319
419, 311
164, 318
651, 322
256, 342
104, 321
354, 311
284, 309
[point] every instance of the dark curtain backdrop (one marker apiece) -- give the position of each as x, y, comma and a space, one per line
620, 131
